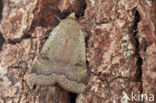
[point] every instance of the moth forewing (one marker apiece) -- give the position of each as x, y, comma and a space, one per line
63, 58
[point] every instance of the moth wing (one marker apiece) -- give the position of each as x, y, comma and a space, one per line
62, 54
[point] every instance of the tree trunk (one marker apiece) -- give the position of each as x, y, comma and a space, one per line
120, 44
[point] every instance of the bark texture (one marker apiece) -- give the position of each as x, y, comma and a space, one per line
120, 45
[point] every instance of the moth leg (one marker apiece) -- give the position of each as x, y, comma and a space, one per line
70, 85
42, 79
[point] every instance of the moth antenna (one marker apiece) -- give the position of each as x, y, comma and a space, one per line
57, 18
44, 37
52, 7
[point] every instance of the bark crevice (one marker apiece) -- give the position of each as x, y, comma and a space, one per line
2, 40
139, 62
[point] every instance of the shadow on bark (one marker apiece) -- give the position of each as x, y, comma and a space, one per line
1, 8
1, 41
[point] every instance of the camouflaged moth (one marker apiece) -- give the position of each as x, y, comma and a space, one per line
62, 59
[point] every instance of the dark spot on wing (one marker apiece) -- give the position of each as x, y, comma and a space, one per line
78, 64
45, 58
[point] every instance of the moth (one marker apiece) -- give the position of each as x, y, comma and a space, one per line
62, 59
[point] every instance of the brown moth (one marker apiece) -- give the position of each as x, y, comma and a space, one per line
62, 59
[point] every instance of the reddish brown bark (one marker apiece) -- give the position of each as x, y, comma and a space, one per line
120, 44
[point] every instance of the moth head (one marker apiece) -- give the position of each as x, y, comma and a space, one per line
72, 15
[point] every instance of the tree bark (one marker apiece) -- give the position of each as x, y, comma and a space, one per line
120, 44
